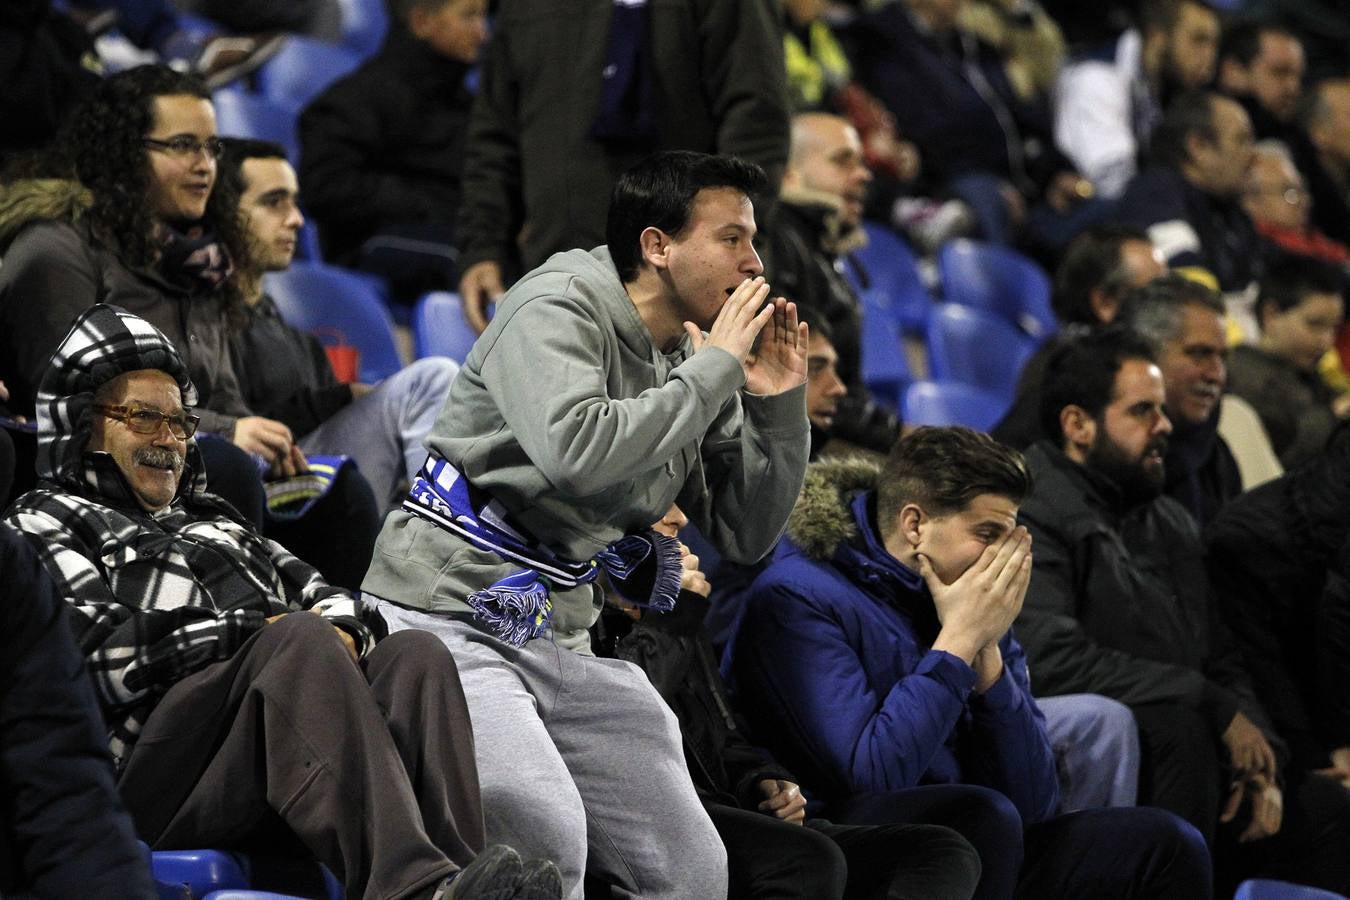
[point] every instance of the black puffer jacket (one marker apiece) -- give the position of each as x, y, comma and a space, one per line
1119, 602
384, 146
1279, 557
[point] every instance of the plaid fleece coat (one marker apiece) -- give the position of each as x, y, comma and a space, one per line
155, 596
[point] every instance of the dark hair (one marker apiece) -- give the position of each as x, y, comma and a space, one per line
400, 10
1163, 15
230, 167
1287, 282
1082, 373
1093, 262
103, 141
818, 324
223, 204
944, 469
1191, 113
1155, 310
1242, 41
1313, 108
659, 193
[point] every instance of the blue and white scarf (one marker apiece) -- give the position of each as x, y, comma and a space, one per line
643, 567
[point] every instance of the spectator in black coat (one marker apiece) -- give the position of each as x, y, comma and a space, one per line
1279, 559
773, 848
950, 95
382, 148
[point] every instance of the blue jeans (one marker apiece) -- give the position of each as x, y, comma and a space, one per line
1096, 745
384, 430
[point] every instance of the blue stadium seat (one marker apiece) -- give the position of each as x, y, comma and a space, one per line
1269, 889
885, 370
952, 403
439, 327
999, 280
240, 114
202, 871
976, 347
303, 69
307, 243
337, 304
364, 24
228, 875
893, 270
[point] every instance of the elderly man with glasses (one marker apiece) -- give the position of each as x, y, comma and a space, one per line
238, 689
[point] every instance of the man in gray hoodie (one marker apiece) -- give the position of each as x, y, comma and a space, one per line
610, 384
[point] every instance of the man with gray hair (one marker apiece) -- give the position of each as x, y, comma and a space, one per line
1188, 198
1184, 322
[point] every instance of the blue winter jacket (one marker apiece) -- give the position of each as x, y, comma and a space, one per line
833, 664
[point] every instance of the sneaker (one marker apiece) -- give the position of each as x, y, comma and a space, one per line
226, 58
931, 223
543, 881
496, 874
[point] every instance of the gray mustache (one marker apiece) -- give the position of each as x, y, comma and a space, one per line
159, 457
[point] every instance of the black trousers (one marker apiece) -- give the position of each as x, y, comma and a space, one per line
768, 859
371, 767
1184, 769
1098, 853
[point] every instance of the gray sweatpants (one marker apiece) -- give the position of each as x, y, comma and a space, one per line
580, 761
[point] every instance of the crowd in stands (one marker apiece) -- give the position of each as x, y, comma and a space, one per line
889, 449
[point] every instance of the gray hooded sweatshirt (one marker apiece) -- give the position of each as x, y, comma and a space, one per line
572, 418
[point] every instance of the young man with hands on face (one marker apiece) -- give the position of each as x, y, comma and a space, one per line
876, 658
774, 849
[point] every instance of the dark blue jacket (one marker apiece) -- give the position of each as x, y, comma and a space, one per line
833, 664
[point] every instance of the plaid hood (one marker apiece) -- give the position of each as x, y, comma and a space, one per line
103, 343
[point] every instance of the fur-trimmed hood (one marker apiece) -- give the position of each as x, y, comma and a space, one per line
822, 519
39, 200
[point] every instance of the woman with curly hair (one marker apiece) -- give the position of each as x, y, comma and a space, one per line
128, 224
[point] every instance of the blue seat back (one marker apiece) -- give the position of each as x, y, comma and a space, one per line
893, 271
307, 243
885, 370
952, 403
303, 69
439, 327
338, 305
1269, 889
240, 114
203, 871
999, 280
364, 24
975, 347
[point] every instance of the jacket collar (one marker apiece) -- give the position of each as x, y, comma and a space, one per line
835, 520
427, 71
1095, 489
818, 215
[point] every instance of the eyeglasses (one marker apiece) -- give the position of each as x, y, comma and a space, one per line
148, 421
185, 145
